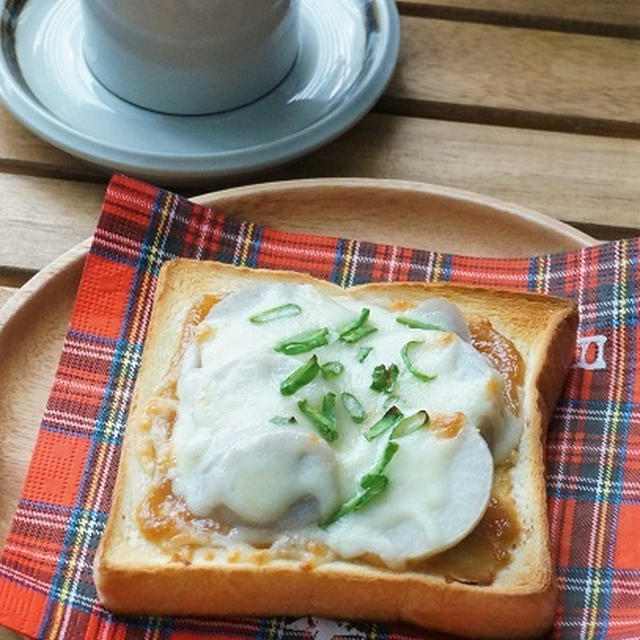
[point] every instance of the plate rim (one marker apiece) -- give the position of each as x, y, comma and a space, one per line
28, 110
542, 220
67, 267
79, 252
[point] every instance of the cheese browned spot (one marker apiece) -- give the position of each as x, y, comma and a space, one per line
400, 305
448, 426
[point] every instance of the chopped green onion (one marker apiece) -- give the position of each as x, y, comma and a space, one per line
301, 376
392, 376
389, 400
357, 329
410, 424
329, 408
358, 322
414, 323
283, 420
345, 508
363, 352
358, 334
379, 378
331, 370
414, 370
353, 407
372, 485
276, 313
390, 419
359, 500
303, 342
375, 486
384, 378
323, 425
389, 452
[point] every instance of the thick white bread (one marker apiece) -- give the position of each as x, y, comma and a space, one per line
135, 576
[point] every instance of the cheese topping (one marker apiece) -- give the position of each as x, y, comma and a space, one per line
304, 418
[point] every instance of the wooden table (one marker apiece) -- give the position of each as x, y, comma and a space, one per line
531, 101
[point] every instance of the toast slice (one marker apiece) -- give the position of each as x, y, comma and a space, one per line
136, 574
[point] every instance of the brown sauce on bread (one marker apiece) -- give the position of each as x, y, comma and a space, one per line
164, 519
196, 314
487, 549
503, 355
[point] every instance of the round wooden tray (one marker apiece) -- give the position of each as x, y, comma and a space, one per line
34, 321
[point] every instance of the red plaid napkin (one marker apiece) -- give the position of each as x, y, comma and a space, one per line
593, 448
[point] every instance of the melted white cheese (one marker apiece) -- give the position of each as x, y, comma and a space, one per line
270, 481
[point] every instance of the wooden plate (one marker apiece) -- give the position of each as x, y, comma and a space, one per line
33, 323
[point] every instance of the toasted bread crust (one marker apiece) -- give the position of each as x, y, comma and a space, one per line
521, 601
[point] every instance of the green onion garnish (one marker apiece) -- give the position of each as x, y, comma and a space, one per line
353, 407
379, 378
358, 334
374, 487
331, 370
407, 361
389, 452
301, 376
345, 508
410, 424
358, 322
371, 486
384, 378
283, 420
276, 313
329, 408
363, 352
418, 324
323, 425
389, 400
359, 500
303, 342
390, 419
357, 329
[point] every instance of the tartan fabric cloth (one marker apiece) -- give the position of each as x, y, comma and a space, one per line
593, 446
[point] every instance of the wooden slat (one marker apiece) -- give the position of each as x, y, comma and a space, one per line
563, 79
23, 152
584, 179
41, 218
604, 12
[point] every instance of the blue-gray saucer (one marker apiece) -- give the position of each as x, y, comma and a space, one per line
348, 52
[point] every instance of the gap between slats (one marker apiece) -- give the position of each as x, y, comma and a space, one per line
520, 16
496, 116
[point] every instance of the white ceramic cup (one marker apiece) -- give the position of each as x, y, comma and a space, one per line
190, 56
